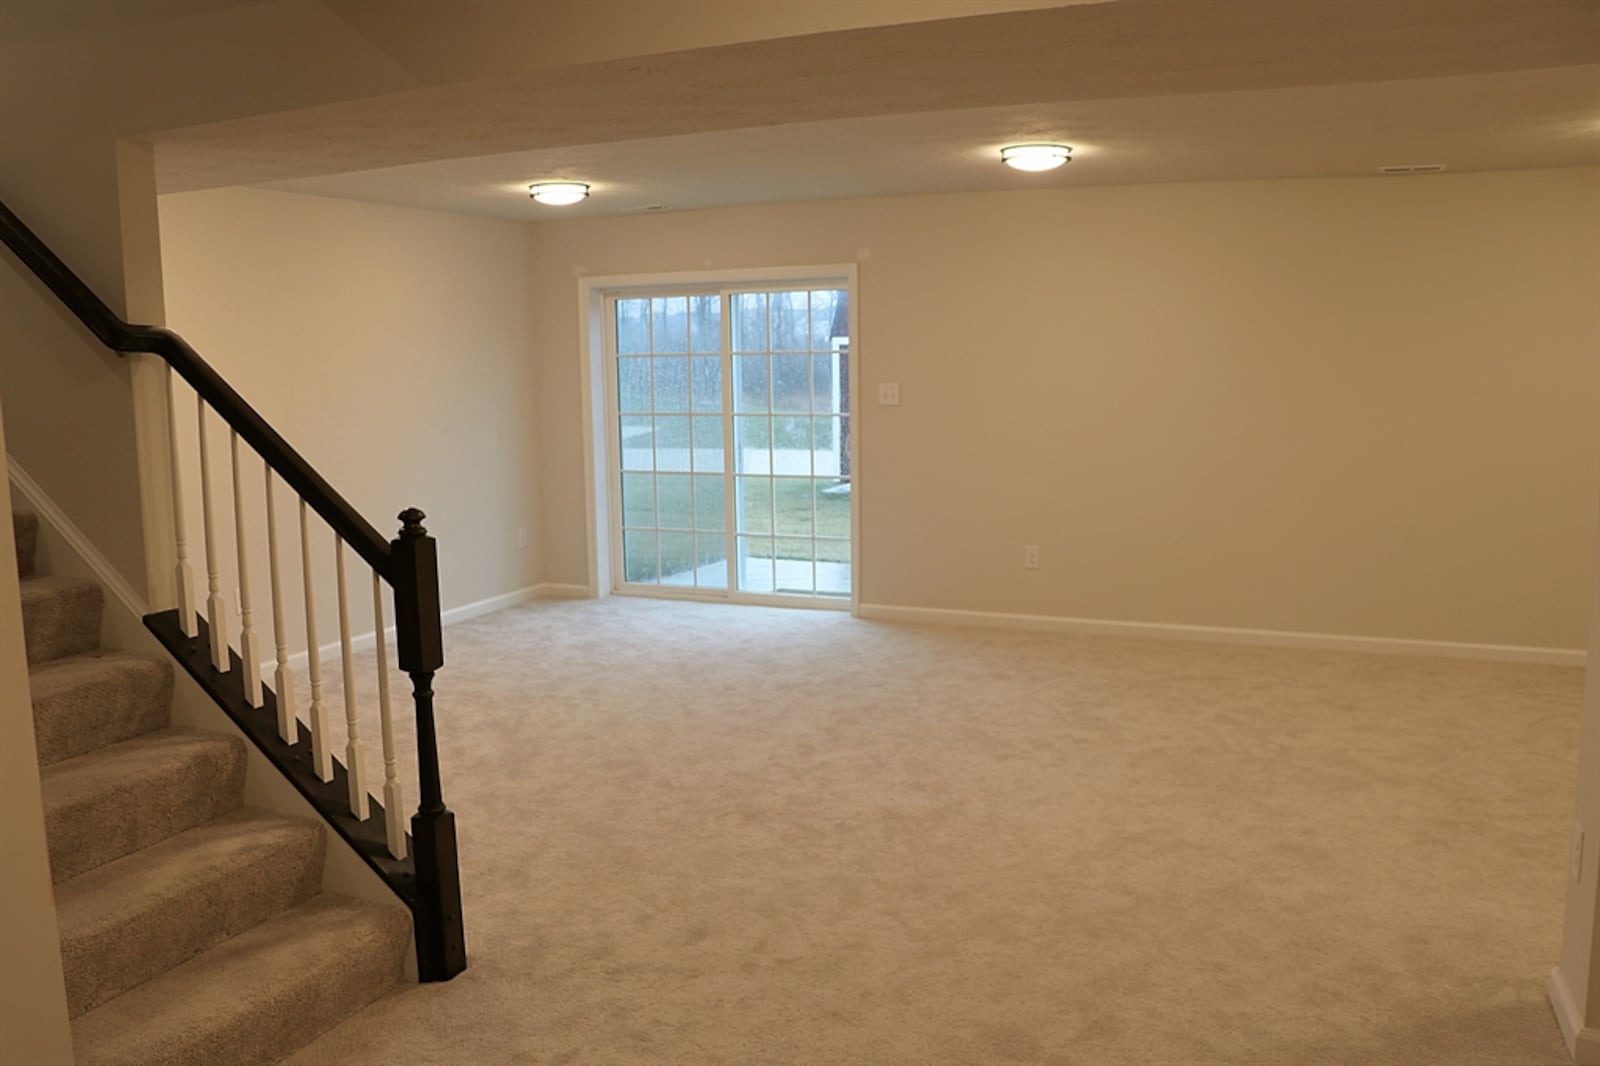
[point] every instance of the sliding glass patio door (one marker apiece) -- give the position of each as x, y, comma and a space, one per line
730, 414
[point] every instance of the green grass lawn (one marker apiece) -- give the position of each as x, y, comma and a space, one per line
793, 516
780, 514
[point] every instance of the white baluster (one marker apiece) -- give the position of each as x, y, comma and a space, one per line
394, 819
249, 654
183, 574
283, 679
355, 755
216, 611
321, 754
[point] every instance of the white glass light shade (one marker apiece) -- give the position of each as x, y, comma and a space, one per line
558, 193
1035, 156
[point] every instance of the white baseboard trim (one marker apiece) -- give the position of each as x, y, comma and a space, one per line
1583, 1044
326, 653
41, 504
1223, 635
119, 587
488, 606
555, 591
113, 581
466, 611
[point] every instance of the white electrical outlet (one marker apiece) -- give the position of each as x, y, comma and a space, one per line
522, 536
1577, 851
1030, 556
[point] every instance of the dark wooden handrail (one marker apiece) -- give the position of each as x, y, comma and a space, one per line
122, 336
428, 880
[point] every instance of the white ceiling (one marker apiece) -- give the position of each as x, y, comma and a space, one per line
469, 40
1145, 90
1527, 119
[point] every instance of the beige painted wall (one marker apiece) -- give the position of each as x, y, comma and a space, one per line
118, 71
72, 82
66, 400
33, 992
390, 347
1351, 406
112, 71
1577, 977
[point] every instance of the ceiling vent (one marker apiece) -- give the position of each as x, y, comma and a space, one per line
1413, 168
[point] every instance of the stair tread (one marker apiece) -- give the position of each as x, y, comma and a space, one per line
47, 678
109, 895
134, 917
60, 616
43, 586
114, 766
127, 796
88, 701
254, 998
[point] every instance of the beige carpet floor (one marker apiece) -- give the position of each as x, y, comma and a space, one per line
697, 834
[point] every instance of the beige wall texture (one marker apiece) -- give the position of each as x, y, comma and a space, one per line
73, 80
33, 992
1346, 406
390, 347
1575, 985
114, 70
114, 73
66, 400
111, 71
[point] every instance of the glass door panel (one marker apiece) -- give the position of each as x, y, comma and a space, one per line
732, 419
669, 458
790, 364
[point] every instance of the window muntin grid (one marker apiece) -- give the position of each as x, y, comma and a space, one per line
736, 400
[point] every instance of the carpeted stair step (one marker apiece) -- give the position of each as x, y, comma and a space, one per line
118, 799
25, 527
127, 921
60, 617
252, 1000
85, 702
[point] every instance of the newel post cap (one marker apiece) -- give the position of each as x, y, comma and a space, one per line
411, 523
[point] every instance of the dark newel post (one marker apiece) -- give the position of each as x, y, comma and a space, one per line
419, 642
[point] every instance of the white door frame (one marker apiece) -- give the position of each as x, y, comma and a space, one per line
592, 292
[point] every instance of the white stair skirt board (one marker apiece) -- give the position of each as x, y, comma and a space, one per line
1272, 638
108, 575
1583, 1044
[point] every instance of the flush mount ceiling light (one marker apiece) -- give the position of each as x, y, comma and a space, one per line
1035, 156
558, 193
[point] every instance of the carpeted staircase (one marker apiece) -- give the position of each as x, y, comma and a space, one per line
193, 930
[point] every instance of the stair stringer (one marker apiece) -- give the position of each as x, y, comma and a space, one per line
63, 549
